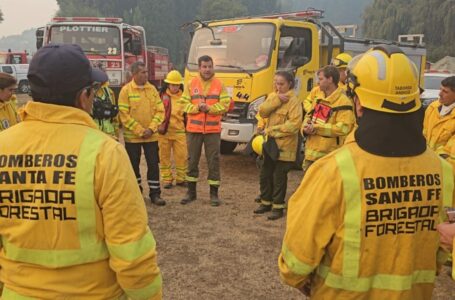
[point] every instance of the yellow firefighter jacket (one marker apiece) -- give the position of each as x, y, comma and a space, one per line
8, 113
176, 122
140, 108
314, 95
283, 123
362, 226
73, 222
449, 155
109, 126
343, 86
436, 129
332, 124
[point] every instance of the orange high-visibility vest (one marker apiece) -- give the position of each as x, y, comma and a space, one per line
204, 122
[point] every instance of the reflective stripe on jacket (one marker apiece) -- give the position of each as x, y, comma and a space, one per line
177, 119
436, 129
73, 219
213, 93
140, 108
108, 126
371, 234
283, 123
203, 122
330, 134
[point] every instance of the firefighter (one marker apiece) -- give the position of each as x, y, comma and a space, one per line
330, 120
172, 132
341, 62
259, 158
362, 224
446, 230
73, 225
205, 100
283, 111
439, 123
8, 112
105, 109
141, 113
447, 239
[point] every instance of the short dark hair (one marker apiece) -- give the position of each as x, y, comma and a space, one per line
331, 71
449, 82
204, 58
66, 99
288, 77
136, 65
6, 80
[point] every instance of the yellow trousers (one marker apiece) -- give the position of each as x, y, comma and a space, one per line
175, 144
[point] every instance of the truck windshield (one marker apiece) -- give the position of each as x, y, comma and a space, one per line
243, 47
93, 39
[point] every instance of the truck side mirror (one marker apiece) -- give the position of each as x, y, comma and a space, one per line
136, 46
39, 37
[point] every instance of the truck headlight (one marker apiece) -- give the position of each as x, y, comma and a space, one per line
254, 107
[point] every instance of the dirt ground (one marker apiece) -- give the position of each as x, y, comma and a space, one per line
227, 252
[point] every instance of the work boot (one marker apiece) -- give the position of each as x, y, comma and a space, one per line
190, 193
258, 199
214, 200
156, 199
262, 209
168, 186
276, 214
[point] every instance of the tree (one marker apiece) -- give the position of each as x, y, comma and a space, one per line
162, 19
222, 9
1, 16
434, 18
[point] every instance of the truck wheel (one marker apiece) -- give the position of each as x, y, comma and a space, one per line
23, 87
227, 147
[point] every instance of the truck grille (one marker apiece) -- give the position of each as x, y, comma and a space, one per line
238, 113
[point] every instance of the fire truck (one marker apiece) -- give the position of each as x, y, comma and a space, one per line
247, 52
13, 57
109, 44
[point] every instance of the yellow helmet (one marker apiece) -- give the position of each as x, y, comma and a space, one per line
257, 143
174, 77
384, 79
342, 60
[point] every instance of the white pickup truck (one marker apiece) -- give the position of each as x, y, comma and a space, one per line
19, 71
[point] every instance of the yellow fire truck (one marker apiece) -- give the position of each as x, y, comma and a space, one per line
248, 51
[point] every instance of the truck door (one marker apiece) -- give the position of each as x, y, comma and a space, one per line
298, 53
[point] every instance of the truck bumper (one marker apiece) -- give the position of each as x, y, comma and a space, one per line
237, 132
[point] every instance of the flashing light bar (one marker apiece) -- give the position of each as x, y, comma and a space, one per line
310, 13
87, 19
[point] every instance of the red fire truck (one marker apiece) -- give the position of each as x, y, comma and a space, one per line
108, 43
13, 57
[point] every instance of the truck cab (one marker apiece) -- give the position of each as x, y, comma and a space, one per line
248, 51
108, 43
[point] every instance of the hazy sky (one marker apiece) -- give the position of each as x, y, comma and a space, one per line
19, 15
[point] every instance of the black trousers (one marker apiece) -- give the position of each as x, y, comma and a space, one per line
274, 181
134, 151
